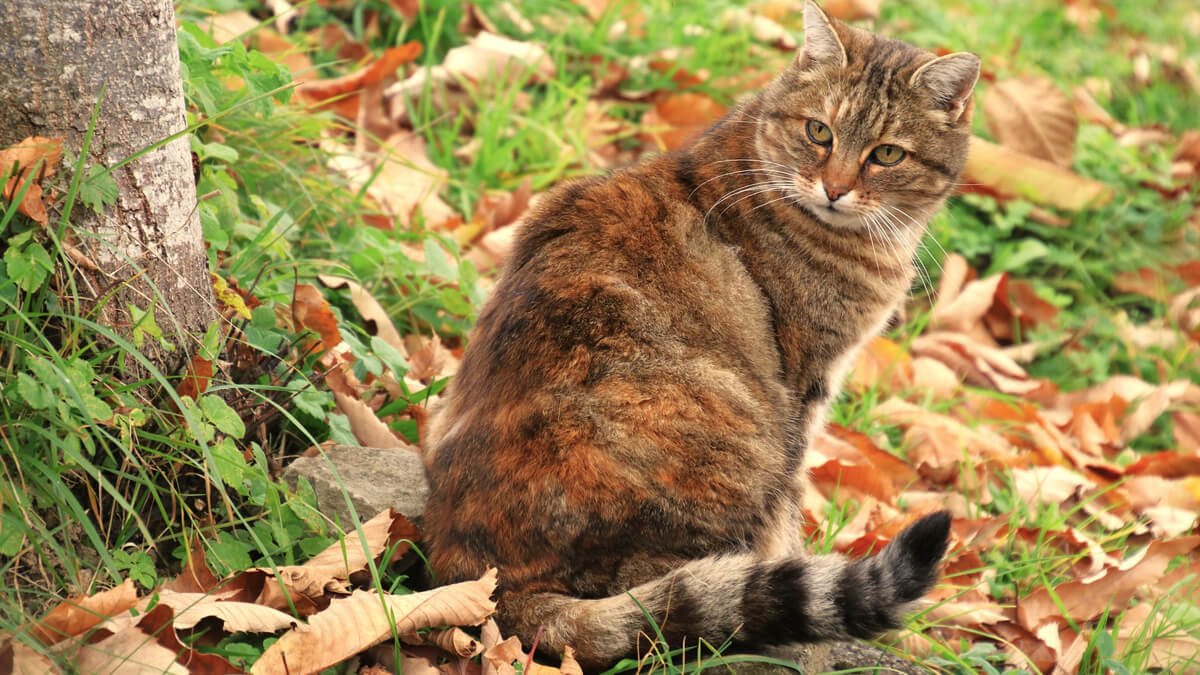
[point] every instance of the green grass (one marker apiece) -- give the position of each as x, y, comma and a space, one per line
103, 479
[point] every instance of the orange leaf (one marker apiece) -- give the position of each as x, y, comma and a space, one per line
320, 91
17, 161
196, 380
311, 311
684, 116
1005, 173
1031, 115
73, 617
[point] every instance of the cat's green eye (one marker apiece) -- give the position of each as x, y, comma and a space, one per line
819, 133
887, 155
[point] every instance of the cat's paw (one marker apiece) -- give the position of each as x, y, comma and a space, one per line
915, 554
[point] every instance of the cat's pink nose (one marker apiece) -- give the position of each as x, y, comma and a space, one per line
835, 192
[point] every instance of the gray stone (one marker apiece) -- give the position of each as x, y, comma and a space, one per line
373, 479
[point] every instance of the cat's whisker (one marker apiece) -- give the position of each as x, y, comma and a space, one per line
918, 223
770, 172
754, 189
765, 188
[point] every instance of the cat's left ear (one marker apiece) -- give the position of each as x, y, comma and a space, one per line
951, 79
822, 46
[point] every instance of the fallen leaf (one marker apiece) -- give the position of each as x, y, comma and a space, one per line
406, 181
1169, 648
311, 311
21, 659
147, 645
1085, 601
17, 162
1032, 116
196, 378
675, 121
852, 10
431, 360
1005, 173
236, 617
195, 577
74, 617
376, 319
325, 640
882, 363
339, 93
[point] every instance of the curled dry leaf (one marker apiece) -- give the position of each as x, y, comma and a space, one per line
453, 640
432, 360
979, 364
237, 617
404, 181
148, 645
311, 311
196, 577
17, 164
326, 639
882, 363
338, 93
1031, 115
1005, 173
1085, 601
378, 321
366, 426
74, 617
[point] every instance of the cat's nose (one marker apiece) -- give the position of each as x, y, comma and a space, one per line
835, 192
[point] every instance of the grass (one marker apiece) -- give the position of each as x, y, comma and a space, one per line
104, 479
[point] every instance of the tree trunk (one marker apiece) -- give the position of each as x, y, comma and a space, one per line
57, 59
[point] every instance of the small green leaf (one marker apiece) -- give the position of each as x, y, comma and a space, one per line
143, 324
98, 189
28, 266
438, 262
222, 416
210, 347
229, 463
390, 356
33, 393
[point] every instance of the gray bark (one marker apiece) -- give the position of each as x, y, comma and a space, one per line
55, 58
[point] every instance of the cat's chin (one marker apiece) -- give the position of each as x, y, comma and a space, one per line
836, 218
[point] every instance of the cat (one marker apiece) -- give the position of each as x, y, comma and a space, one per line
625, 435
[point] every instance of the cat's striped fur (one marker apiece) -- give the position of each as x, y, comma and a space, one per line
631, 413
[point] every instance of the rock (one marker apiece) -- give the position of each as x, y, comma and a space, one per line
373, 479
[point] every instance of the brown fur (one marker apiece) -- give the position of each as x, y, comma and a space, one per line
633, 407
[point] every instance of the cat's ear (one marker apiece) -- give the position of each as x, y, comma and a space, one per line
951, 79
822, 46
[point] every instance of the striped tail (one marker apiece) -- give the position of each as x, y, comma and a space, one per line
760, 603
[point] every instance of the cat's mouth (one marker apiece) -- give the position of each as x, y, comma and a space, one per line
830, 214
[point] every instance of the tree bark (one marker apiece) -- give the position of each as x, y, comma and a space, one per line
56, 57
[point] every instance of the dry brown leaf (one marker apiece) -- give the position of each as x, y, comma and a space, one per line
884, 364
325, 640
74, 617
979, 364
408, 182
1005, 173
852, 10
147, 646
431, 360
311, 311
675, 121
21, 659
1031, 115
1171, 649
569, 665
1085, 601
966, 308
237, 617
378, 321
338, 93
16, 163
762, 28
936, 378
387, 529
852, 481
453, 640
196, 577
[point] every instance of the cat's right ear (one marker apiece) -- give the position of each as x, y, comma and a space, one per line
822, 46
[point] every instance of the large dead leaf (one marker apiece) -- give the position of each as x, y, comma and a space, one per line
327, 574
1152, 636
852, 10
196, 577
352, 624
1006, 173
17, 165
378, 321
74, 617
311, 311
1085, 601
366, 426
979, 364
406, 182
340, 93
147, 645
882, 363
1031, 115
237, 617
18, 658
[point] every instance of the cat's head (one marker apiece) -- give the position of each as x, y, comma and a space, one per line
867, 133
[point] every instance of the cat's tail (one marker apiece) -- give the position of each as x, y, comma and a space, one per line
759, 603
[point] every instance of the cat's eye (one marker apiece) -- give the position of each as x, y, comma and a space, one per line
887, 155
818, 133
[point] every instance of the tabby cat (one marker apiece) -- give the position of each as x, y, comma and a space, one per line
627, 429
